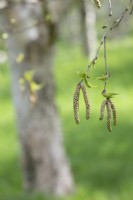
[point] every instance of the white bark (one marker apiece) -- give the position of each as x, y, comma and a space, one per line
44, 161
90, 20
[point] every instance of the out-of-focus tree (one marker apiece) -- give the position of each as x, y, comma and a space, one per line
88, 19
30, 29
79, 26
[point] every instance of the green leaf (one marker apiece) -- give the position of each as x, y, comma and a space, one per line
35, 86
103, 78
89, 85
110, 95
82, 75
28, 75
20, 58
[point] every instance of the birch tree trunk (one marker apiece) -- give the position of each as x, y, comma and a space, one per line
90, 27
44, 162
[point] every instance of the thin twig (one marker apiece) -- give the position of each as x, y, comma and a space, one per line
116, 22
110, 8
106, 27
99, 47
96, 56
119, 20
105, 56
105, 84
105, 60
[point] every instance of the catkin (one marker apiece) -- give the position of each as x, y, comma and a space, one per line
98, 3
76, 103
102, 110
108, 116
113, 112
86, 100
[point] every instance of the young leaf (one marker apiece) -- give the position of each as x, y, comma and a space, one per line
109, 95
89, 85
103, 78
20, 58
34, 86
28, 75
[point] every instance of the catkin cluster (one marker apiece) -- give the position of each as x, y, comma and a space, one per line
76, 103
76, 96
98, 3
111, 112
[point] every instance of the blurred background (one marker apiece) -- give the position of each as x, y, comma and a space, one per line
101, 162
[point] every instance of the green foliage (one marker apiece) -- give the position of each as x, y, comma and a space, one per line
101, 162
103, 77
89, 85
84, 78
109, 95
33, 87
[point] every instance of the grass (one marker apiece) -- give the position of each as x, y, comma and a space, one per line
102, 163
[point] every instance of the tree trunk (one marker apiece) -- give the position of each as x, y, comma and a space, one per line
89, 23
44, 162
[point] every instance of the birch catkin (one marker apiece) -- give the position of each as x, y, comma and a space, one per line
98, 3
86, 100
102, 110
76, 103
108, 116
113, 112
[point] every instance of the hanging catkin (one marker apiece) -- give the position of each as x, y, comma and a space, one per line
86, 100
102, 110
113, 112
108, 116
76, 103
